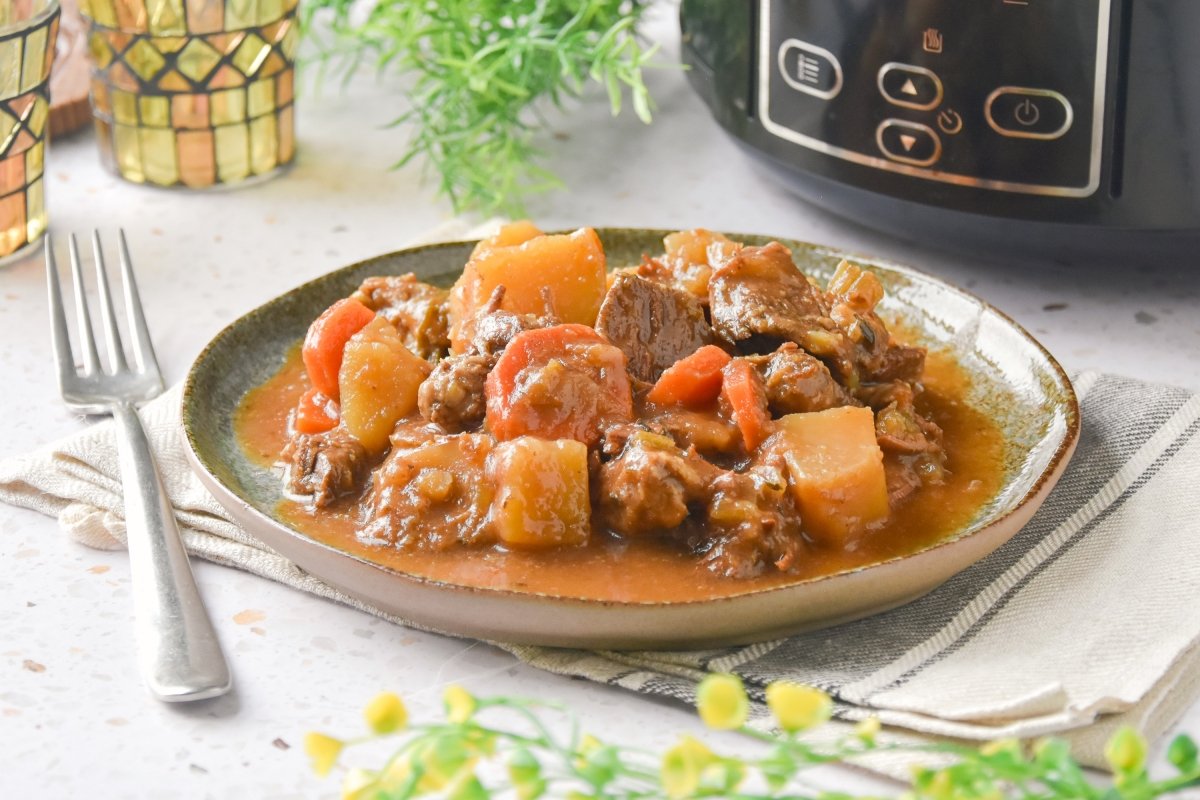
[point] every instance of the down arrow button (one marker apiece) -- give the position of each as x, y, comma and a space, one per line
908, 142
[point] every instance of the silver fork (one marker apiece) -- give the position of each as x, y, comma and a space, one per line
178, 650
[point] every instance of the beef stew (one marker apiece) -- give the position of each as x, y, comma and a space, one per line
767, 430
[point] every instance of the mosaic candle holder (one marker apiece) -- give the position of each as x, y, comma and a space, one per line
193, 93
27, 33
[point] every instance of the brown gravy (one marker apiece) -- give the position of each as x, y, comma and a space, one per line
645, 570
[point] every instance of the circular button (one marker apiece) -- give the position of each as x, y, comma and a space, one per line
908, 142
1024, 113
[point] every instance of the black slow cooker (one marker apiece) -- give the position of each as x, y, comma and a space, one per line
1065, 126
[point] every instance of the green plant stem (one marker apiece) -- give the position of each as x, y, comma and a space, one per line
557, 768
482, 72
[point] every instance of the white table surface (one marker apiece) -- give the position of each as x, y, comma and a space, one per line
74, 718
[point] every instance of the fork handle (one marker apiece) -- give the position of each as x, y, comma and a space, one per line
178, 649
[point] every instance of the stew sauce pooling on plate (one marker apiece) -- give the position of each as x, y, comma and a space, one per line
711, 402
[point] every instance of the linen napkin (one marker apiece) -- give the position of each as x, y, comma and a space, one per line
1084, 621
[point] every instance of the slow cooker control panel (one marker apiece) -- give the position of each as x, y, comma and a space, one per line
1005, 95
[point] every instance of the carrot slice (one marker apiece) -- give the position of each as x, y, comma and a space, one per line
693, 381
560, 382
743, 390
316, 413
326, 341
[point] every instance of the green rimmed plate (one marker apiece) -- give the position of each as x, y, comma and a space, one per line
1012, 378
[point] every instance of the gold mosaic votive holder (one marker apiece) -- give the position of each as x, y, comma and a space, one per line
193, 93
28, 29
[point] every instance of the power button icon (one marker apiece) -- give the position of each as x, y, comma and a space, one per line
1024, 113
1027, 113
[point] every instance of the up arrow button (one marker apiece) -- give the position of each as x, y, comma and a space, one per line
909, 86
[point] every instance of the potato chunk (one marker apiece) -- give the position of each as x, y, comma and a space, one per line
509, 235
568, 268
835, 469
378, 383
690, 256
541, 492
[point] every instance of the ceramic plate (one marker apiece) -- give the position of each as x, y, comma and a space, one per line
1012, 378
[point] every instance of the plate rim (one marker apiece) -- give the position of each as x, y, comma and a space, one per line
224, 494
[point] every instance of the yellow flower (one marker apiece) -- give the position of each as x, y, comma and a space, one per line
798, 707
323, 750
683, 765
721, 701
868, 729
386, 713
1126, 750
460, 705
356, 784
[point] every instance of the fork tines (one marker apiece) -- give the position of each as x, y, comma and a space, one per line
73, 378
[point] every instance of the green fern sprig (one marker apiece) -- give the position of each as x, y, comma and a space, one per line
481, 73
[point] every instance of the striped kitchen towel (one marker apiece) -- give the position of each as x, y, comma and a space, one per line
1083, 621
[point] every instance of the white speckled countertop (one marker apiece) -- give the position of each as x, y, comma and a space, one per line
74, 718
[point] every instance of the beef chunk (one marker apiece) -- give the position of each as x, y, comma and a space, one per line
752, 524
650, 486
452, 395
760, 297
614, 437
853, 294
797, 382
879, 395
495, 327
739, 523
866, 352
913, 455
902, 430
431, 496
325, 465
899, 427
495, 330
902, 478
654, 324
416, 309
709, 433
899, 363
